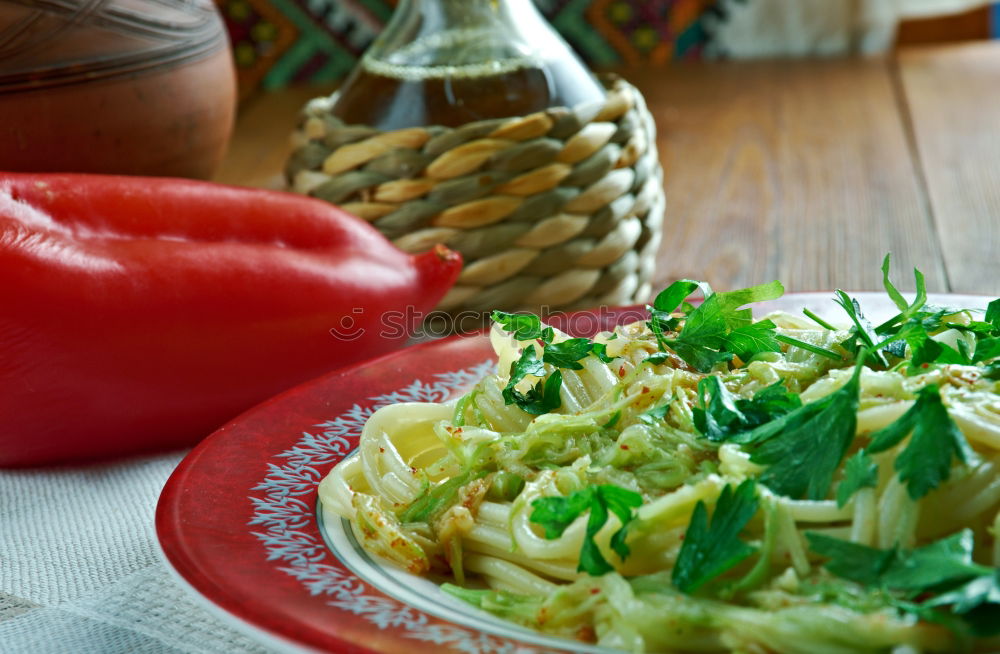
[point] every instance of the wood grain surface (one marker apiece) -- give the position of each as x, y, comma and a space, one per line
953, 98
798, 171
803, 171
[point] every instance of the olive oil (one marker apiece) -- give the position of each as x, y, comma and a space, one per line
488, 62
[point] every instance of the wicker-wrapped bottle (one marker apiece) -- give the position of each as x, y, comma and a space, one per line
472, 123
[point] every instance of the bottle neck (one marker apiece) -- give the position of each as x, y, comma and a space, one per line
451, 14
444, 34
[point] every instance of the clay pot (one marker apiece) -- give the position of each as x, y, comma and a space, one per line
140, 87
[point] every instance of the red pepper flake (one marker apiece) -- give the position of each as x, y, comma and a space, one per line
623, 446
645, 389
925, 365
381, 450
621, 371
595, 591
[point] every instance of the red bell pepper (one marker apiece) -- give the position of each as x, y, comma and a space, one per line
143, 313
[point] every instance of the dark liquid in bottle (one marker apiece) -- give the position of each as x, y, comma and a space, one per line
390, 97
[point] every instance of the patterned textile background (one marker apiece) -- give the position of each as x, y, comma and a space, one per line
277, 42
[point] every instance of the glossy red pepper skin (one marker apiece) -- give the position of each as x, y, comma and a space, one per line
140, 314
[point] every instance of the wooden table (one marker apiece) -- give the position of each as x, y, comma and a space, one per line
804, 171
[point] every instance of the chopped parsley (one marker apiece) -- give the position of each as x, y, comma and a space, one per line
859, 472
724, 415
948, 560
555, 514
944, 569
716, 330
543, 397
926, 460
712, 548
523, 326
862, 334
804, 448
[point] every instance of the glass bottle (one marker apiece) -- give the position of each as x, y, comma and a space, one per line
451, 62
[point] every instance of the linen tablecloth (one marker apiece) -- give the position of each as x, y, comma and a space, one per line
80, 569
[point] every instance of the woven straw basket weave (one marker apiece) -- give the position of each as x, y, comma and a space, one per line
560, 209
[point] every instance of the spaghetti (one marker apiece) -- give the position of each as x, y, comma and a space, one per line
506, 495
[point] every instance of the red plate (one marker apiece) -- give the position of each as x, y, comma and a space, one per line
237, 521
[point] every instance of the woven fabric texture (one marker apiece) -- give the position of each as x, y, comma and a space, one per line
80, 570
279, 42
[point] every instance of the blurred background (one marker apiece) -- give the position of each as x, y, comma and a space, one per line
281, 42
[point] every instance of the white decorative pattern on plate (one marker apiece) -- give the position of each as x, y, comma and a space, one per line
282, 516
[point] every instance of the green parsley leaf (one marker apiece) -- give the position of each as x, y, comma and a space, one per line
710, 322
543, 397
945, 561
699, 356
656, 415
718, 418
715, 330
860, 563
725, 416
986, 349
804, 447
567, 353
926, 460
859, 472
862, 330
894, 294
978, 601
752, 339
656, 358
661, 321
600, 350
555, 514
925, 350
671, 297
993, 314
527, 364
711, 549
523, 326
906, 310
